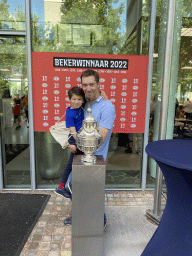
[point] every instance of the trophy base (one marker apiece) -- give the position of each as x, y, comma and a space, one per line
88, 159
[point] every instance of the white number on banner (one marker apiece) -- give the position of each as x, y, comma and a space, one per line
112, 94
44, 78
133, 119
56, 85
124, 87
134, 106
135, 81
67, 79
45, 105
56, 98
56, 111
113, 80
122, 113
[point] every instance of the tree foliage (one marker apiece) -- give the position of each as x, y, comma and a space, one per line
100, 12
13, 49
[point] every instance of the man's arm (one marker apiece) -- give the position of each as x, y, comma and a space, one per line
104, 132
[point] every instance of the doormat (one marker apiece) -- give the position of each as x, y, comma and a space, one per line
18, 215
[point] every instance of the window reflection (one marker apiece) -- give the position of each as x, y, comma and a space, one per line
12, 15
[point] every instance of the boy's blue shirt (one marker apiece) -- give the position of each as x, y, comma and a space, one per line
74, 118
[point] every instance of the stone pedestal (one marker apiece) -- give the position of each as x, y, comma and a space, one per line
88, 200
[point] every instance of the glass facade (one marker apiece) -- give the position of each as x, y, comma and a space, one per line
82, 27
180, 79
103, 27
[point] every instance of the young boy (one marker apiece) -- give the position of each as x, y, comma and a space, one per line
74, 119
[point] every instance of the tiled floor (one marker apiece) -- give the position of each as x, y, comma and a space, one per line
51, 238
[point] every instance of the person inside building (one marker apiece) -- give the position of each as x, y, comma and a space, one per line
103, 112
24, 102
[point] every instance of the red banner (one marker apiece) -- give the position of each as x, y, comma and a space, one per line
122, 77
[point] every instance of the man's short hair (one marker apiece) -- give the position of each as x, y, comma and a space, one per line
77, 91
90, 72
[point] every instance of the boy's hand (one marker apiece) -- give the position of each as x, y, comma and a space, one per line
103, 94
72, 148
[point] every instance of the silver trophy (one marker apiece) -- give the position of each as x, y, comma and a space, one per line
89, 139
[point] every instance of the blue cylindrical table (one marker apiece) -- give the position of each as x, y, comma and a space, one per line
174, 233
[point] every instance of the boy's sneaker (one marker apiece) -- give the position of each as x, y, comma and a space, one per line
105, 221
63, 192
70, 187
68, 221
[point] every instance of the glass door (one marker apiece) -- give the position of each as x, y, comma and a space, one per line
14, 96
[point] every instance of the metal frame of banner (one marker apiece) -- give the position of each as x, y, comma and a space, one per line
149, 86
30, 94
156, 213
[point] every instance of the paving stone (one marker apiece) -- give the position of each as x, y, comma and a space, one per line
109, 195
44, 217
111, 203
117, 199
36, 237
58, 230
31, 253
66, 253
119, 203
46, 238
57, 237
47, 212
42, 253
44, 246
67, 245
50, 203
33, 246
55, 246
54, 253
130, 195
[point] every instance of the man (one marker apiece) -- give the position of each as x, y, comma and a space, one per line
102, 110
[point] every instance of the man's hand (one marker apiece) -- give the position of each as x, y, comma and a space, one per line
72, 148
104, 132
